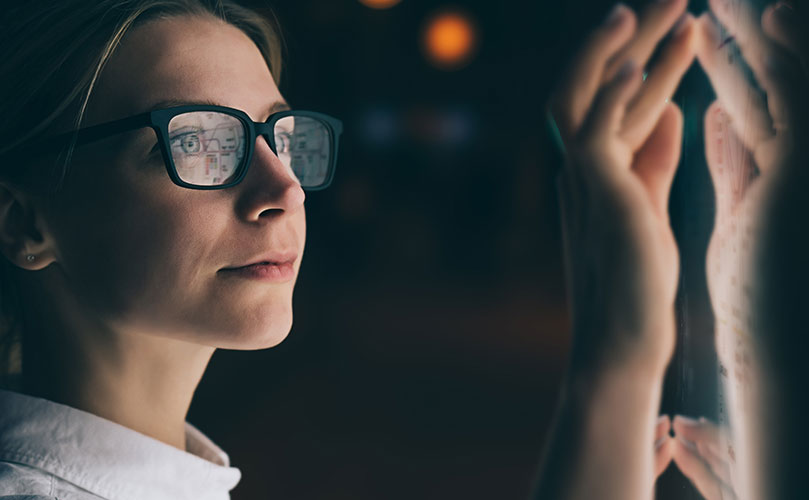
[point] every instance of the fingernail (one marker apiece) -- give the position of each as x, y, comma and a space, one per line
660, 442
616, 15
626, 71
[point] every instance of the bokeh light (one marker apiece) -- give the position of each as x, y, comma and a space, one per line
379, 4
450, 39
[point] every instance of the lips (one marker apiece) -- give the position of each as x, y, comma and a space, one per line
269, 273
273, 259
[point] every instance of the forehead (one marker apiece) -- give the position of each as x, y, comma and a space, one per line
184, 58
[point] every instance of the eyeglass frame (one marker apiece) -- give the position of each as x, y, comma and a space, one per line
159, 119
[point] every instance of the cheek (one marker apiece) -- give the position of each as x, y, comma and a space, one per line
147, 260
122, 250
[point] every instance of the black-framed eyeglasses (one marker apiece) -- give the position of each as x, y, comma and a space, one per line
210, 147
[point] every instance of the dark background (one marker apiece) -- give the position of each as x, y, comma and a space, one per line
431, 327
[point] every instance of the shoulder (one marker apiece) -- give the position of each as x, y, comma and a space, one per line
22, 482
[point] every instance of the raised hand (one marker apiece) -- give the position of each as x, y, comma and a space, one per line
623, 143
623, 140
702, 452
756, 153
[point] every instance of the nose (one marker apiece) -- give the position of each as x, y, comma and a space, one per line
270, 188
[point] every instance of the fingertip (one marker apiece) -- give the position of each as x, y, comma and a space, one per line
705, 40
681, 421
617, 15
781, 13
771, 21
620, 18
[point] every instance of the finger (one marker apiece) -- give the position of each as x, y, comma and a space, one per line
745, 105
583, 78
773, 67
664, 451
656, 162
662, 427
781, 23
698, 472
609, 108
655, 21
707, 437
729, 163
697, 431
743, 25
645, 109
719, 466
788, 69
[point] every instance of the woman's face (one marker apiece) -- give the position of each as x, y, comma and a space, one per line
147, 256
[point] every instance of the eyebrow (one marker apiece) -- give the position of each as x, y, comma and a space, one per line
168, 103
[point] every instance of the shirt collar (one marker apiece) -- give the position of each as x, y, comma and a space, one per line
108, 459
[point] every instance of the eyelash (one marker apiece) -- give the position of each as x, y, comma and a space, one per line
156, 147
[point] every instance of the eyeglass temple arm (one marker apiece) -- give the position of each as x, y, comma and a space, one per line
93, 133
104, 130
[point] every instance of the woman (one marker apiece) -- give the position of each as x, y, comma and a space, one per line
170, 225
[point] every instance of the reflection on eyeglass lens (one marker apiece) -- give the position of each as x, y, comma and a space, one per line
207, 147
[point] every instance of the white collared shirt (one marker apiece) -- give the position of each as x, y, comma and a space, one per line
52, 451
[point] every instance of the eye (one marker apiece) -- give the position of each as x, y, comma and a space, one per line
188, 142
283, 142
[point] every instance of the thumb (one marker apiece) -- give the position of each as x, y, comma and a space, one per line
656, 162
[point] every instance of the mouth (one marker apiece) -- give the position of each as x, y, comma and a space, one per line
262, 263
269, 271
268, 259
274, 267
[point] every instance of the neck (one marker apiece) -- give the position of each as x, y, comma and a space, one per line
137, 379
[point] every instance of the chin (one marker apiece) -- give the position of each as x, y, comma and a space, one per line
259, 332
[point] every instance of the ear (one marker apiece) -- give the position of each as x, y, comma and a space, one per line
23, 238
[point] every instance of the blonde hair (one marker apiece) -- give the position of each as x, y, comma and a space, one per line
51, 55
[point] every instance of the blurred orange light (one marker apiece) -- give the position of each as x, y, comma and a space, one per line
379, 4
449, 40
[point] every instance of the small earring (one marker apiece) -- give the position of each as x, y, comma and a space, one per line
30, 257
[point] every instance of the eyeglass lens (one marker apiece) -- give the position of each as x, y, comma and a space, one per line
208, 147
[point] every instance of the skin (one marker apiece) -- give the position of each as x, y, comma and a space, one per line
614, 193
623, 142
755, 188
126, 298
